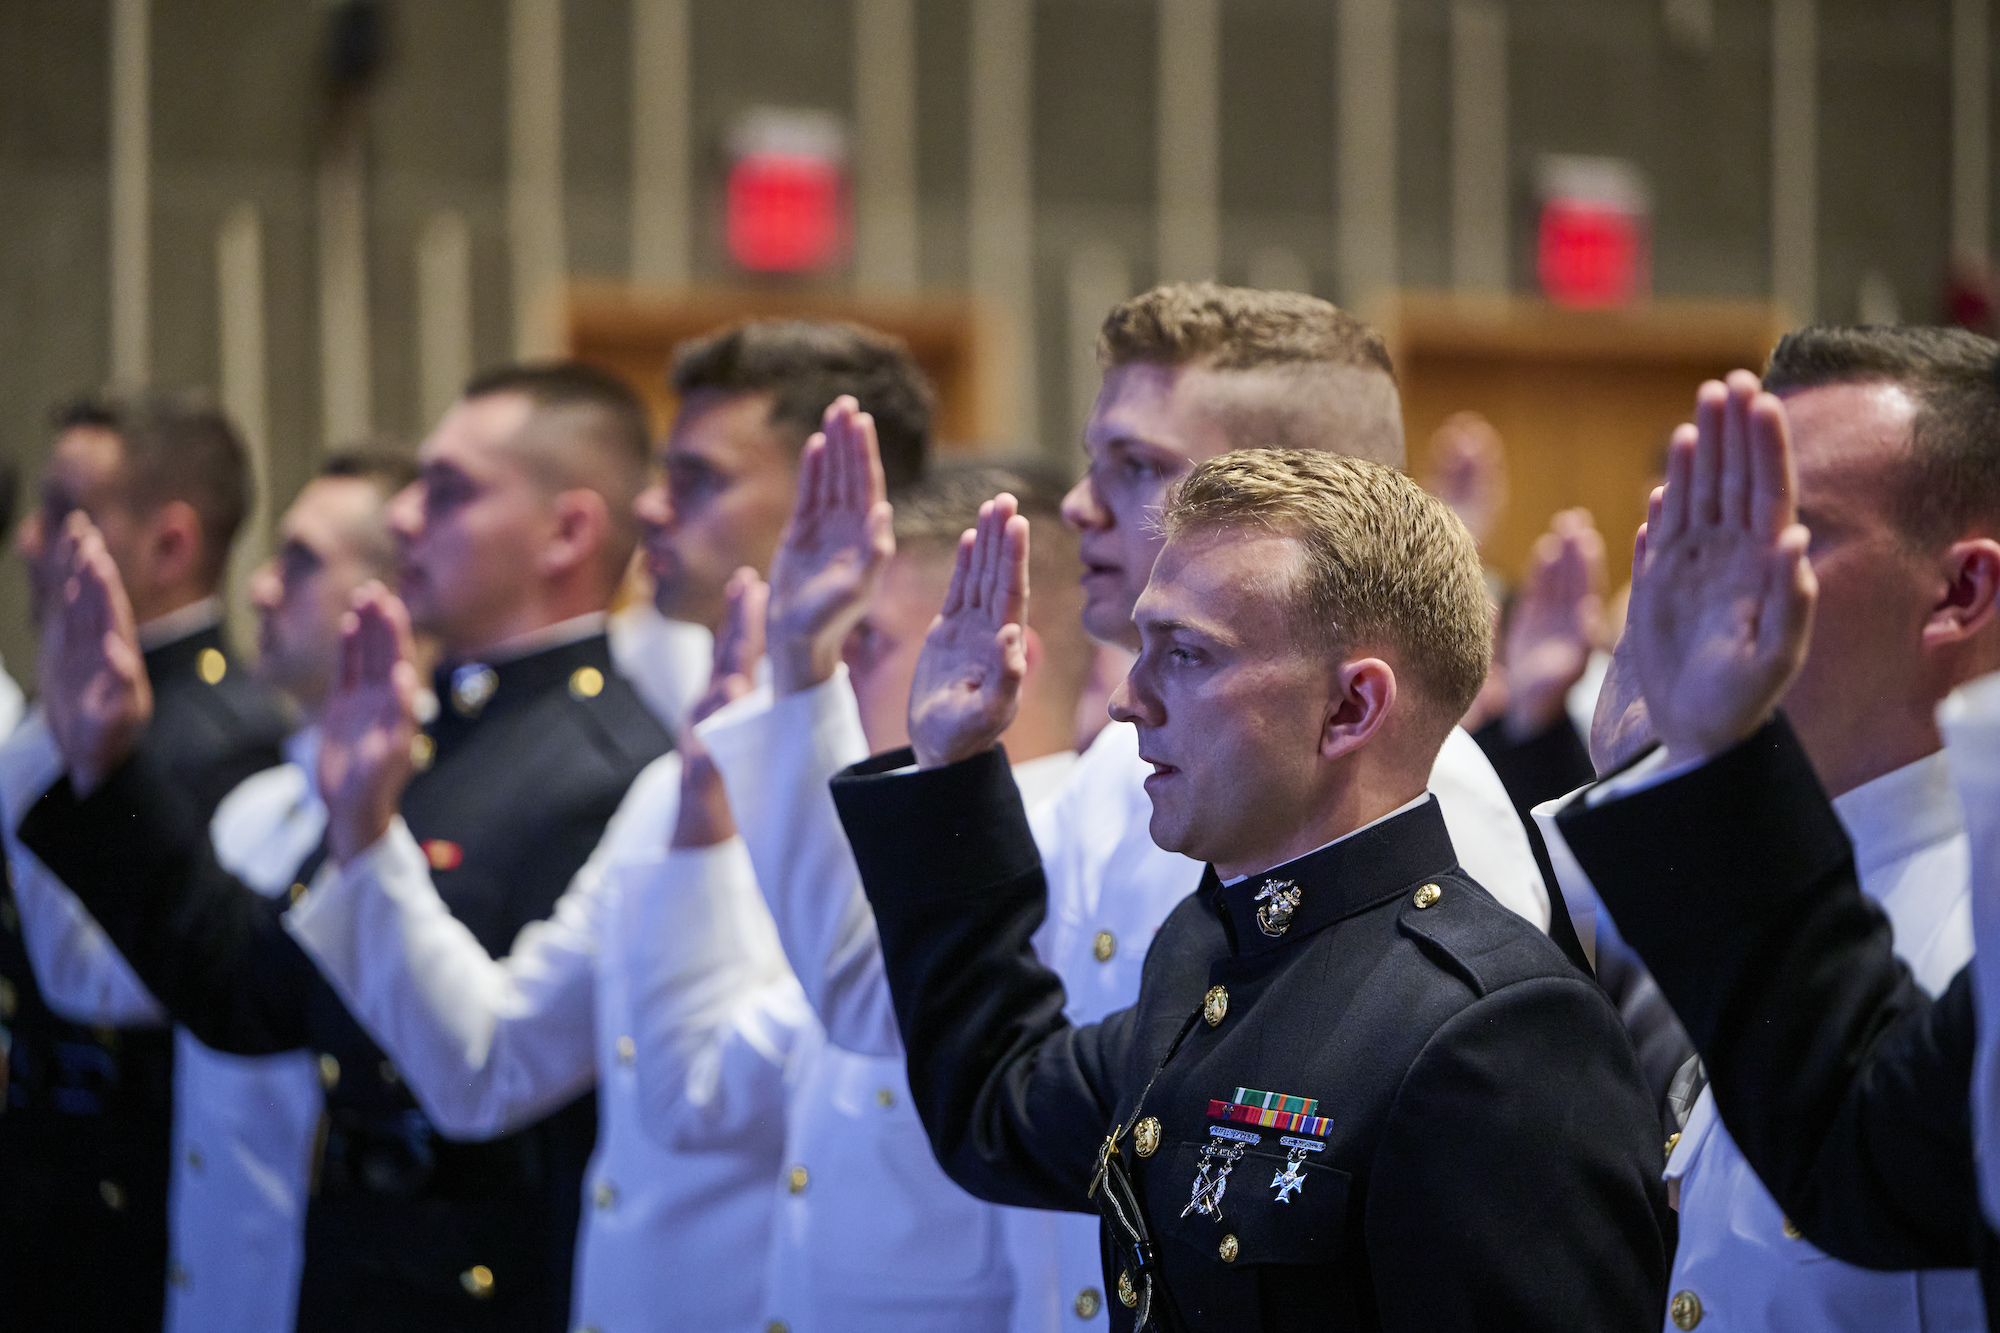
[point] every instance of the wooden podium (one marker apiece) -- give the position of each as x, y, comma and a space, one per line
1585, 399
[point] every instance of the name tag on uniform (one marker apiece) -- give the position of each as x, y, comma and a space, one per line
1240, 1135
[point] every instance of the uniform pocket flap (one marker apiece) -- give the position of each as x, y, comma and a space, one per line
1282, 1207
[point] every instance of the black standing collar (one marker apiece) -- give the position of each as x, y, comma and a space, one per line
183, 655
1322, 887
567, 666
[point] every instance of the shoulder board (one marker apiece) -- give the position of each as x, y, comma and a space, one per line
1469, 933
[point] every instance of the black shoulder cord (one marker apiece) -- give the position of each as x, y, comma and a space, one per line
1118, 1205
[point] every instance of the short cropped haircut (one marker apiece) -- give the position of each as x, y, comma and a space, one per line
387, 473
1385, 562
175, 446
804, 365
1951, 482
590, 432
1313, 344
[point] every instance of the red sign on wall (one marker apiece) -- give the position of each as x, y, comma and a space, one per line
787, 196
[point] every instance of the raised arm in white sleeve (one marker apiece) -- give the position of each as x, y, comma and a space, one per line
776, 757
82, 977
1970, 720
487, 1045
1485, 830
718, 1021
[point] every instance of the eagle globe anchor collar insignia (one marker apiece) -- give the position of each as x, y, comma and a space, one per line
1281, 899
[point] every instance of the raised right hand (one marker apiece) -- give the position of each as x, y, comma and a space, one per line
95, 693
369, 724
1722, 592
1553, 627
831, 559
967, 686
704, 818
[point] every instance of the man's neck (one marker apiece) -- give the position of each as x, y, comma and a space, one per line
179, 619
1348, 813
521, 633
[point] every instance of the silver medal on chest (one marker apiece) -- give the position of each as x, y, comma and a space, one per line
1212, 1180
1280, 898
1288, 1181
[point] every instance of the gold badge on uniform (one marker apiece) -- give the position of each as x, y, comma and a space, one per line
1146, 1137
211, 666
1280, 898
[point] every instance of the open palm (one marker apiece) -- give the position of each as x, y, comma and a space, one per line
967, 686
830, 561
1723, 595
370, 724
95, 693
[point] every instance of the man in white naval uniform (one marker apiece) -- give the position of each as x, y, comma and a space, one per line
488, 1044
1901, 620
243, 1126
869, 1234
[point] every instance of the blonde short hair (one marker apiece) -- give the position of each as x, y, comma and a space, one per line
1385, 562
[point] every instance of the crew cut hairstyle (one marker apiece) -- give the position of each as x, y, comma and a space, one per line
1385, 562
604, 444
804, 365
175, 446
1951, 483
1339, 385
388, 472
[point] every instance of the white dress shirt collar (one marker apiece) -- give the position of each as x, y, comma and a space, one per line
543, 639
302, 750
1899, 814
1402, 809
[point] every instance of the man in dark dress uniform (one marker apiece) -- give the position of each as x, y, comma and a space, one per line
509, 547
84, 1133
1355, 1092
1845, 1084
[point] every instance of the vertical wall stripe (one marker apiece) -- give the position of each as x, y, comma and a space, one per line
1971, 129
885, 131
1365, 146
1479, 174
1189, 149
1001, 241
444, 313
239, 292
1099, 278
347, 409
662, 182
131, 191
1277, 269
535, 172
1795, 157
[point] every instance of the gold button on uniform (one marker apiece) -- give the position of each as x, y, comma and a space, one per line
113, 1195
1146, 1136
1127, 1297
885, 1097
1685, 1310
211, 666
329, 1072
605, 1196
628, 1051
1790, 1229
1428, 895
422, 751
777, 1326
1088, 1303
796, 1179
296, 892
1673, 1142
477, 1281
1227, 1249
586, 682
1215, 1005
1104, 946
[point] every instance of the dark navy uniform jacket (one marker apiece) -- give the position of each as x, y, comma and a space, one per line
1470, 1145
85, 1131
1846, 1086
406, 1230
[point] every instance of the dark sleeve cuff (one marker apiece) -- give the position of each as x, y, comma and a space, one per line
1549, 764
940, 831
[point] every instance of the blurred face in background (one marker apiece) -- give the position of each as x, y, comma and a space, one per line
332, 540
471, 530
727, 486
84, 472
881, 652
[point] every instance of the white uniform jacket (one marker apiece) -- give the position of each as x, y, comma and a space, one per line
490, 1045
243, 1125
1970, 720
1110, 888
1738, 1255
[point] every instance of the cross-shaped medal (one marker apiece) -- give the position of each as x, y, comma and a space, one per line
1288, 1181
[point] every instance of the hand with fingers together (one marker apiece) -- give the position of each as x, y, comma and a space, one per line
830, 562
1722, 592
703, 819
1553, 625
95, 693
967, 686
370, 723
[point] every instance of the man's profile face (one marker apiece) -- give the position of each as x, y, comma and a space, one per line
470, 530
1148, 428
728, 485
881, 652
1229, 710
84, 471
301, 592
1875, 590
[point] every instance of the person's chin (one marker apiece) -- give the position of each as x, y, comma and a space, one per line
1107, 615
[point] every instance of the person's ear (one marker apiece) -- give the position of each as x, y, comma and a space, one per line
1971, 592
582, 525
1364, 690
172, 546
